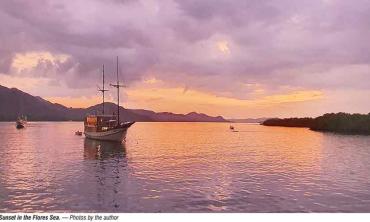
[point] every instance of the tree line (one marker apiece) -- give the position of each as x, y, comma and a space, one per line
332, 122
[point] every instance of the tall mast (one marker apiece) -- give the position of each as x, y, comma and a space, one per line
117, 94
117, 86
103, 90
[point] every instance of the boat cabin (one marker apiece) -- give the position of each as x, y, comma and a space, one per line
100, 123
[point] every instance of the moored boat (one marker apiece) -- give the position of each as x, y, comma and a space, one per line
21, 122
106, 127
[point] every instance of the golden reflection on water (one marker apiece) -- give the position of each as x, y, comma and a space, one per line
272, 149
217, 164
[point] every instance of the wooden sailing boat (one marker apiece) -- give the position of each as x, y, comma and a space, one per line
107, 127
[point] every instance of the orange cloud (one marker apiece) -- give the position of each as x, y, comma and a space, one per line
31, 59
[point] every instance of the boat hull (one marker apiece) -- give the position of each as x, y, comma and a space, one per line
20, 124
116, 135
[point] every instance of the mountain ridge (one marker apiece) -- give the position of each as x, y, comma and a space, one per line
14, 102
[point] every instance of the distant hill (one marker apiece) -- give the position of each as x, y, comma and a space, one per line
14, 102
249, 120
171, 117
343, 123
331, 122
289, 122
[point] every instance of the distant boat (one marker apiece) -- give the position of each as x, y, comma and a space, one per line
78, 133
233, 129
106, 127
21, 122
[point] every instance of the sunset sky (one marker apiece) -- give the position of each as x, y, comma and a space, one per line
235, 58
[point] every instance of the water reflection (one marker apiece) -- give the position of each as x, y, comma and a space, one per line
107, 163
101, 150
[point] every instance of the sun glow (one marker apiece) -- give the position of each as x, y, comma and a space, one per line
223, 46
193, 96
174, 99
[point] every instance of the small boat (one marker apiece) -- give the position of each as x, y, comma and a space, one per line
232, 128
78, 133
21, 122
107, 127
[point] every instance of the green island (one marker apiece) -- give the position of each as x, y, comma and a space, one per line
330, 122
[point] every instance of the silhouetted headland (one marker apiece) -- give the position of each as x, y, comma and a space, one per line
331, 122
289, 122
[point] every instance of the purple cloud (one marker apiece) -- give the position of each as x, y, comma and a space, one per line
274, 43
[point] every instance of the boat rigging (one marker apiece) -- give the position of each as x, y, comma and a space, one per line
107, 127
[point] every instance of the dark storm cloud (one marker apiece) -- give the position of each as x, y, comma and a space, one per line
271, 42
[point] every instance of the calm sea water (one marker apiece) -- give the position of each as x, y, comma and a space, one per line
183, 167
